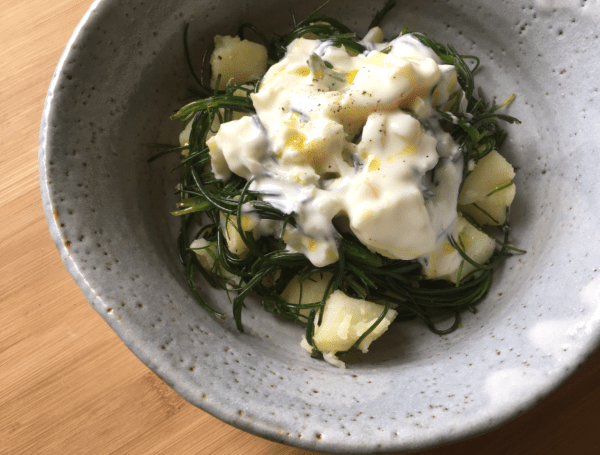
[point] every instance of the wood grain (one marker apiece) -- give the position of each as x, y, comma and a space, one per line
67, 383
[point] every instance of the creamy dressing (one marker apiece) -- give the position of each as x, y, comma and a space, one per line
339, 136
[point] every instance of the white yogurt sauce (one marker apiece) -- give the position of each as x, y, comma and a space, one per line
356, 136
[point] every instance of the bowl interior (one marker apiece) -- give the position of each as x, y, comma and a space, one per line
124, 73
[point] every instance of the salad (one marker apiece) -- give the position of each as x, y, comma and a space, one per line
348, 182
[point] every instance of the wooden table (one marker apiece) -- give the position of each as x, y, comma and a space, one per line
68, 385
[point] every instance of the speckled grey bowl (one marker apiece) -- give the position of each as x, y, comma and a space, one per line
121, 76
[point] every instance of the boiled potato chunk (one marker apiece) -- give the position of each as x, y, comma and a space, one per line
480, 197
239, 147
310, 290
374, 35
445, 261
218, 162
446, 87
491, 172
234, 240
207, 255
184, 136
345, 319
237, 61
492, 209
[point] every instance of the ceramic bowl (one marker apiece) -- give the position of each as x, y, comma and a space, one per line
123, 73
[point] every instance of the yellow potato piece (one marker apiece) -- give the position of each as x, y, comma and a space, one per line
478, 247
233, 238
206, 252
345, 319
311, 290
237, 61
375, 35
492, 209
490, 173
445, 261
